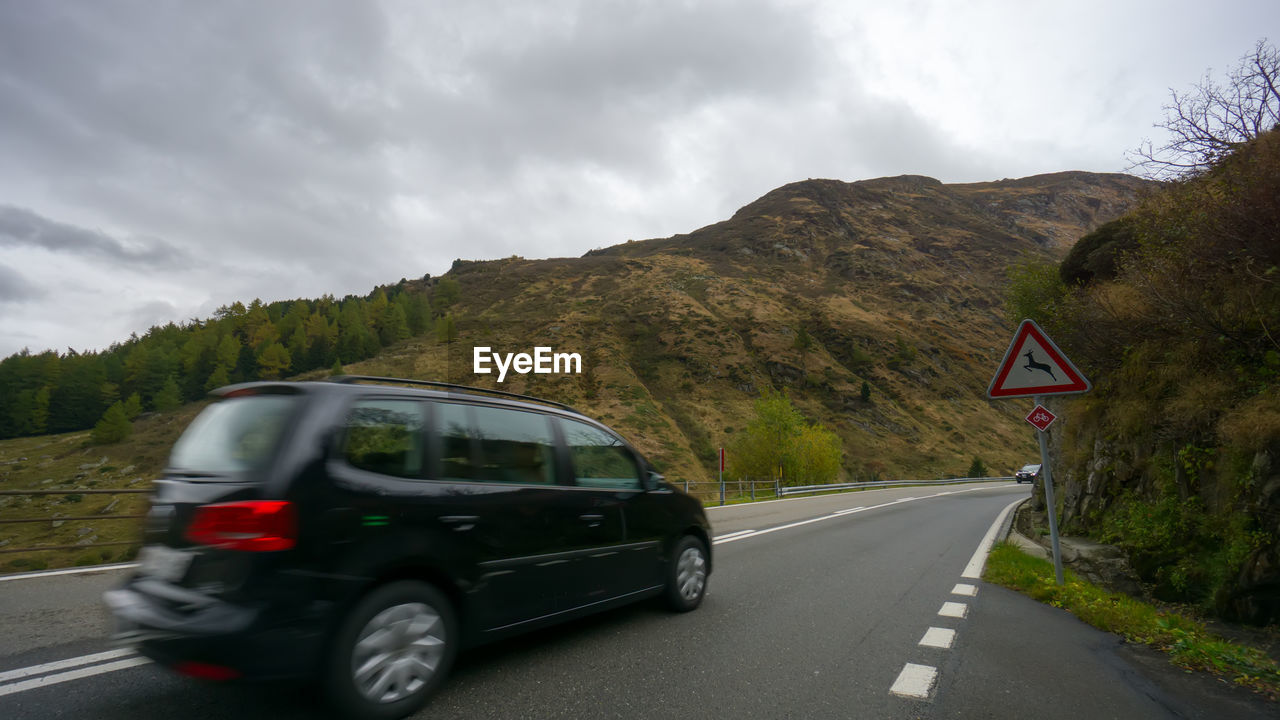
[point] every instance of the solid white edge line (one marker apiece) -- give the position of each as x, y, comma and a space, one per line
953, 610
48, 680
68, 571
936, 637
914, 681
973, 570
8, 675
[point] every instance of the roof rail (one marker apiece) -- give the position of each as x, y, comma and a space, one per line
351, 379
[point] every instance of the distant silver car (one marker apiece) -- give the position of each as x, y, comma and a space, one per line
1028, 473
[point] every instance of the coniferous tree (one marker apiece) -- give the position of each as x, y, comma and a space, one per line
132, 407
168, 398
113, 427
218, 378
273, 361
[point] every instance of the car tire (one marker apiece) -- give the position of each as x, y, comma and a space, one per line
687, 574
391, 652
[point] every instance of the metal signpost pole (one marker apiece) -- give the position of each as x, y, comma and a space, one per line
1049, 501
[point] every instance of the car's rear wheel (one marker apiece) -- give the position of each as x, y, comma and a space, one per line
392, 651
687, 574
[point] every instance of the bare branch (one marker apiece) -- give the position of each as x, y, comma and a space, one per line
1208, 122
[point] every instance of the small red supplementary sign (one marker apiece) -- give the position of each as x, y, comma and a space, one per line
1041, 418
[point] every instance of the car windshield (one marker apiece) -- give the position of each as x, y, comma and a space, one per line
234, 435
1029, 468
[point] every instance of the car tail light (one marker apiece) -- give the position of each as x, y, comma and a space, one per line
253, 525
205, 671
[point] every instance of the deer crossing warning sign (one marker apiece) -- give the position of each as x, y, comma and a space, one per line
1033, 365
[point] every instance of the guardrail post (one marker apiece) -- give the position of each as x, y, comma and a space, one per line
753, 489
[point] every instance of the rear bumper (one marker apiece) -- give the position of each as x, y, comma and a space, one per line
172, 625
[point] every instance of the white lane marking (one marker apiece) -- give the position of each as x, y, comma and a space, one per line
726, 536
914, 681
48, 667
766, 531
938, 638
734, 538
965, 589
68, 676
953, 609
985, 486
973, 570
68, 571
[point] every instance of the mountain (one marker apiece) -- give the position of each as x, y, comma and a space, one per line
815, 288
825, 289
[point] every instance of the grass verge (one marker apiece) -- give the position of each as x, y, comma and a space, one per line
1188, 643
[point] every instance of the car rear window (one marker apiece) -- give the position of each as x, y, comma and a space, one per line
235, 435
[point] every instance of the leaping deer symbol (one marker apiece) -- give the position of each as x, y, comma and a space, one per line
1033, 365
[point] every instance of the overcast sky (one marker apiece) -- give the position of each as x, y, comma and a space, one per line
160, 159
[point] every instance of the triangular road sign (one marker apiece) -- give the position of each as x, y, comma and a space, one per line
1033, 365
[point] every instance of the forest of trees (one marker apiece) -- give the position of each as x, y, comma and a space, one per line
52, 393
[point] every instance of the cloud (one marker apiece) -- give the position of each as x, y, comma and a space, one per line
20, 227
203, 153
15, 288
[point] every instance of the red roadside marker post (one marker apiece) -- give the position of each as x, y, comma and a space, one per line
1033, 366
721, 476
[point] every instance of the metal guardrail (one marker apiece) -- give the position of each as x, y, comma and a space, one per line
803, 489
71, 491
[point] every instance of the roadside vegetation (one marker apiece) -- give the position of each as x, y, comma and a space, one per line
1189, 644
1174, 312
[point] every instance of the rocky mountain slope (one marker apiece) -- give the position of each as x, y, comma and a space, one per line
816, 288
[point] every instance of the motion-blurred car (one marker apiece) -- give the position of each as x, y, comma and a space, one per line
1027, 474
362, 533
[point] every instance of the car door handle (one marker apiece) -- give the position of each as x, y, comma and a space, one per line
460, 523
592, 519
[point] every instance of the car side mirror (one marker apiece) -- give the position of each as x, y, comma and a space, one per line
654, 481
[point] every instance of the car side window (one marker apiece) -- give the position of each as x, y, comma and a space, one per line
454, 426
515, 446
599, 459
385, 437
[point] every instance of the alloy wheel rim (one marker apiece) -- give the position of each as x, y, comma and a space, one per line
397, 652
691, 573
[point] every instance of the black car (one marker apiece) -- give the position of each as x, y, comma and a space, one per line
361, 533
1027, 474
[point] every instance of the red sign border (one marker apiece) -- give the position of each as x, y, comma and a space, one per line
1077, 381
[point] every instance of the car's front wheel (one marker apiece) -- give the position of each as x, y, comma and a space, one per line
687, 575
392, 651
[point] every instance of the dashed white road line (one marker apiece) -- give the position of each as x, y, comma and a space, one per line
938, 638
48, 680
914, 681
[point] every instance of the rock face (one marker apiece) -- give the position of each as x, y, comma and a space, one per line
1090, 486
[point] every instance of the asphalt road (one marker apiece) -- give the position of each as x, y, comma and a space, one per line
816, 609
